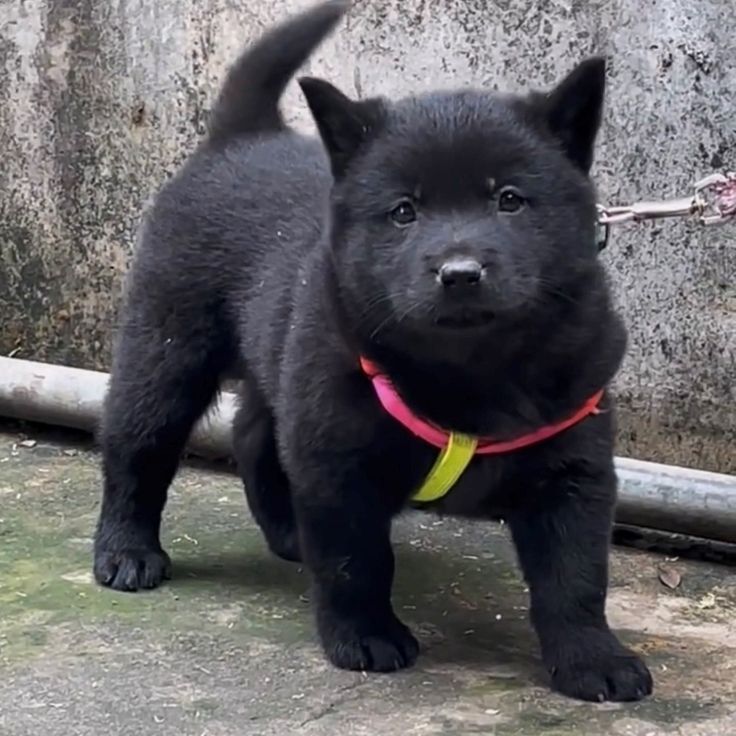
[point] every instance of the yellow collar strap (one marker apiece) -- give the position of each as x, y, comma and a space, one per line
448, 468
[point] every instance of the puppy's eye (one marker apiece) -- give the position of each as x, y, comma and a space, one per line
403, 214
510, 201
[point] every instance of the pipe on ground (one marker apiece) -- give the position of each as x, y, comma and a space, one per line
73, 397
668, 498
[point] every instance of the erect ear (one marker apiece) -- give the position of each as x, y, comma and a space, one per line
573, 110
344, 125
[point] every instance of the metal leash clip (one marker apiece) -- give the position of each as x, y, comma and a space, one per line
713, 202
716, 198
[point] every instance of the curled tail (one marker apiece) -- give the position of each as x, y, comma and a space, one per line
248, 102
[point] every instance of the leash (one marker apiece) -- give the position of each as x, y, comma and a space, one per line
712, 202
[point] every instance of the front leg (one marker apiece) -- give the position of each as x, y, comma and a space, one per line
563, 544
344, 529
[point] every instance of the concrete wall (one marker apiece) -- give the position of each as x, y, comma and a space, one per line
100, 100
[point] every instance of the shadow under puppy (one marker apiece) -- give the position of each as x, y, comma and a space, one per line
428, 270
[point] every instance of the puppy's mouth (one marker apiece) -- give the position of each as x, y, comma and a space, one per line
465, 319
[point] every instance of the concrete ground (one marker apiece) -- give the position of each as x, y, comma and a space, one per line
227, 648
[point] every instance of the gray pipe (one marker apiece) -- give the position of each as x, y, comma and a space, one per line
680, 500
73, 397
672, 499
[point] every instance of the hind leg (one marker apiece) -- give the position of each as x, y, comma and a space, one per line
266, 485
162, 382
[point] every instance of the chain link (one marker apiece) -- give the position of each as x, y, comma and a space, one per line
712, 202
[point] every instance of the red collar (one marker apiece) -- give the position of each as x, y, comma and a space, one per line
395, 406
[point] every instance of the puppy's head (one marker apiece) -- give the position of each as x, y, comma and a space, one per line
460, 211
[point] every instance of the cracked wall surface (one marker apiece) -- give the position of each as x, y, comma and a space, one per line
100, 101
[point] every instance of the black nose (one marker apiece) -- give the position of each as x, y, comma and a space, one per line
460, 272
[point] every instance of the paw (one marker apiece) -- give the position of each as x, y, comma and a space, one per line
284, 543
132, 568
368, 646
602, 673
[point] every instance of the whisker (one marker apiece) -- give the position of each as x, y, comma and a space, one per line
551, 289
401, 317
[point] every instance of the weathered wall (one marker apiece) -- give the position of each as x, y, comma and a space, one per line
100, 100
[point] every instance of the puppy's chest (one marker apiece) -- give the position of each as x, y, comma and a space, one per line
485, 486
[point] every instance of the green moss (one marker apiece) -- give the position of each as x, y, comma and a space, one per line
224, 577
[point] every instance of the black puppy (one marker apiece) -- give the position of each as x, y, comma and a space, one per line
449, 240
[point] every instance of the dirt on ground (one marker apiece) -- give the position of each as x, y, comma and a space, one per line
227, 648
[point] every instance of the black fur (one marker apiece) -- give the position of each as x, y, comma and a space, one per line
266, 256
